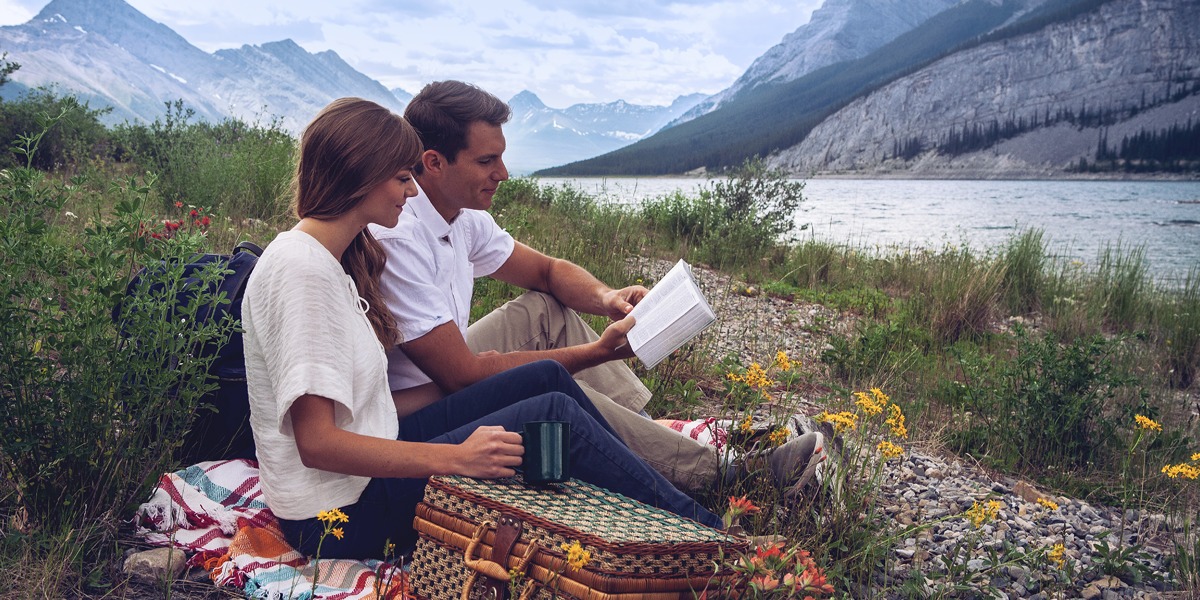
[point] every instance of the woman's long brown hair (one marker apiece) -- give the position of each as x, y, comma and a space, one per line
350, 147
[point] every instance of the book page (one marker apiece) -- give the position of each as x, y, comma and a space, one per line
672, 313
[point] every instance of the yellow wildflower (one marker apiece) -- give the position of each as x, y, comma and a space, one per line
577, 557
779, 436
333, 516
1058, 555
1050, 504
868, 404
1147, 423
782, 361
756, 377
747, 424
896, 422
982, 513
733, 376
889, 450
337, 532
840, 421
1196, 457
1183, 470
880, 397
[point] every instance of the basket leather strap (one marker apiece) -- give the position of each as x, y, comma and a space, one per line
495, 575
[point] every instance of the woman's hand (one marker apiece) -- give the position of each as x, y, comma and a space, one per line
491, 452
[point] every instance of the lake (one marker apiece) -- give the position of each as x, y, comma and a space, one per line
1079, 218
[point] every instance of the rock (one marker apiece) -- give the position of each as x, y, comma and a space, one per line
1027, 492
165, 564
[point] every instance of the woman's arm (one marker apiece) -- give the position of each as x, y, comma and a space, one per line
488, 453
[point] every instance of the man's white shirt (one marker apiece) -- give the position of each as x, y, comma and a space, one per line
430, 274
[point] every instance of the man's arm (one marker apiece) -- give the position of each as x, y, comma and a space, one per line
444, 356
569, 283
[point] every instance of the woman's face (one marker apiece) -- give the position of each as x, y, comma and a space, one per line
384, 203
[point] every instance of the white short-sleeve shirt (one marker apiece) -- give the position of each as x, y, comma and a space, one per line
307, 333
431, 271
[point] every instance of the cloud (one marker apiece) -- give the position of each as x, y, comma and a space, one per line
14, 12
640, 51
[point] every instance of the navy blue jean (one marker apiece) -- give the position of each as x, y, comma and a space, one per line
541, 391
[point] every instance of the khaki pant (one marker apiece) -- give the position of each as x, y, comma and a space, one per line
537, 321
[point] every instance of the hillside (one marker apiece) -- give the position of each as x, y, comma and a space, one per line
838, 31
1034, 105
774, 116
985, 89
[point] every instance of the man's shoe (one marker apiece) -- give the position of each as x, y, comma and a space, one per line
794, 465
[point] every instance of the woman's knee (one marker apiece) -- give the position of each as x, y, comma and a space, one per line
554, 374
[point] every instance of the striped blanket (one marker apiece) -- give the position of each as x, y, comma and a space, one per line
215, 512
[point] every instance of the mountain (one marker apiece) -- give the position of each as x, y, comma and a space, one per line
109, 54
838, 31
1032, 105
1011, 86
539, 136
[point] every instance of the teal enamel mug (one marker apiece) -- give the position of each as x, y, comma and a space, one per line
547, 451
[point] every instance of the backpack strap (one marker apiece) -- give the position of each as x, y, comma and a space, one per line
241, 263
247, 246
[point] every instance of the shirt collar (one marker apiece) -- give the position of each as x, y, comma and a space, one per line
424, 211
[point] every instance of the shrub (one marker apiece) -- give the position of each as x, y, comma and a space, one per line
240, 168
90, 420
1053, 405
67, 131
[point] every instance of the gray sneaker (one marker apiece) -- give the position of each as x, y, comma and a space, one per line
792, 465
795, 464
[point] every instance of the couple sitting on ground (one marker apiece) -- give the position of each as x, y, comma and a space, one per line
364, 378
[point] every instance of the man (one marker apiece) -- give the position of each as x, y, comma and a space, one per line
445, 239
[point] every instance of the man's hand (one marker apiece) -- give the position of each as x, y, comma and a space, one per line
491, 452
614, 342
618, 303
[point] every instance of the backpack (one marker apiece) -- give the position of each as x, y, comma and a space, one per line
221, 428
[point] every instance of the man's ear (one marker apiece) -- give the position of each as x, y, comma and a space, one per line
433, 161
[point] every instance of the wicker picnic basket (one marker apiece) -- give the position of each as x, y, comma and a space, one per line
483, 538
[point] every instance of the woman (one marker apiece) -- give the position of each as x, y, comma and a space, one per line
323, 418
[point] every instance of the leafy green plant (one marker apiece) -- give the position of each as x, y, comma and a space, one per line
68, 131
239, 168
92, 407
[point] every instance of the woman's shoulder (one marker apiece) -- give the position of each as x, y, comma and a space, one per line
296, 256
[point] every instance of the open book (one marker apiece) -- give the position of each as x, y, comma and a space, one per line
672, 313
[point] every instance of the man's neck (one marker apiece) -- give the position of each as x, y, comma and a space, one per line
438, 201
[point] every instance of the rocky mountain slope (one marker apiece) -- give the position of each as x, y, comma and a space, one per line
1127, 66
839, 31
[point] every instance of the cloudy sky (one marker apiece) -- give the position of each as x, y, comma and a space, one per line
565, 51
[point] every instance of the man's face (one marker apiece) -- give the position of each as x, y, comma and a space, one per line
471, 180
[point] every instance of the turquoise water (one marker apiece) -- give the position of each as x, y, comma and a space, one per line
1079, 218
